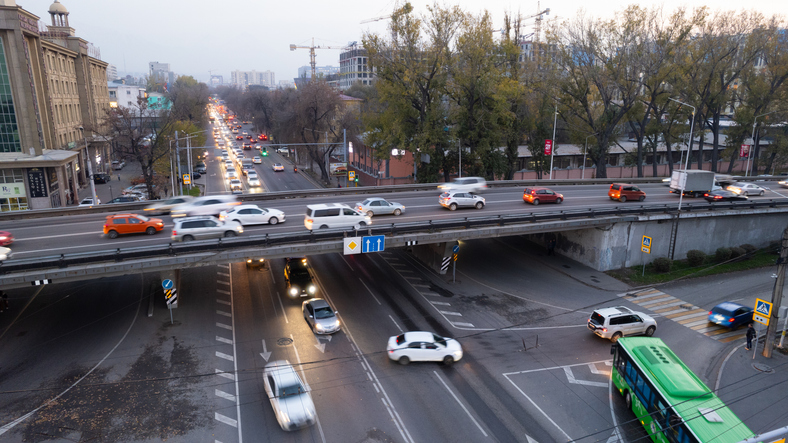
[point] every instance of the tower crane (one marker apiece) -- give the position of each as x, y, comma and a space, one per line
405, 9
537, 17
312, 53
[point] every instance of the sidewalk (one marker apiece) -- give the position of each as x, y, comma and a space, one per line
108, 191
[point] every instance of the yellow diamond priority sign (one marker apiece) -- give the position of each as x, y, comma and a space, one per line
352, 245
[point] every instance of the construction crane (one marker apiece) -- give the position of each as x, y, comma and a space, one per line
312, 53
405, 9
521, 23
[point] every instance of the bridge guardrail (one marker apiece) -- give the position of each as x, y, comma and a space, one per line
173, 249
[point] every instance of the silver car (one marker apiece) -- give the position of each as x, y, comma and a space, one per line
288, 395
164, 206
466, 184
378, 206
200, 228
320, 316
208, 205
747, 189
454, 200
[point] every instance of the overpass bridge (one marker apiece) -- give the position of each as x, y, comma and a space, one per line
607, 238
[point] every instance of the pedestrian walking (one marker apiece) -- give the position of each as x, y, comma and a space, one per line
750, 336
3, 301
551, 241
118, 176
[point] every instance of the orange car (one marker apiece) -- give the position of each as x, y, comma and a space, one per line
131, 224
623, 192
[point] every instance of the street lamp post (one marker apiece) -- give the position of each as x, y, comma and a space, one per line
749, 154
552, 142
585, 150
686, 162
90, 168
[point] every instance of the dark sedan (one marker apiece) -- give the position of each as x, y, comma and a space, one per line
730, 314
722, 195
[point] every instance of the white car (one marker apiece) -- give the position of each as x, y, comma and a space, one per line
253, 215
278, 167
454, 200
164, 206
236, 184
257, 160
253, 181
747, 189
619, 321
230, 174
208, 205
423, 346
289, 396
378, 206
5, 253
465, 184
88, 201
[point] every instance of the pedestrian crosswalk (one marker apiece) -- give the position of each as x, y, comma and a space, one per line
683, 313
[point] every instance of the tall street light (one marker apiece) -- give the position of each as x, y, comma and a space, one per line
749, 154
585, 151
682, 183
90, 168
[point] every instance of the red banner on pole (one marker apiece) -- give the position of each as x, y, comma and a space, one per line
548, 147
744, 151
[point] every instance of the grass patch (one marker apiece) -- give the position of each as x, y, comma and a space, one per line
194, 191
681, 269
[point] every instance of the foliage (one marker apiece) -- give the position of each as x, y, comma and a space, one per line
189, 99
722, 254
737, 252
748, 248
662, 264
695, 257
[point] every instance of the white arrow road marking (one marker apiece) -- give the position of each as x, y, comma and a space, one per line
322, 346
265, 354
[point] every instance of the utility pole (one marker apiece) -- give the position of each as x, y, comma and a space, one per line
777, 296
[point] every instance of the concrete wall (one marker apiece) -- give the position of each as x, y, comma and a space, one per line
618, 246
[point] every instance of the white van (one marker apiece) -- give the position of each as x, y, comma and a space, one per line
334, 215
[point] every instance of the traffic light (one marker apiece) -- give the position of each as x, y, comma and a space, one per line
356, 179
264, 152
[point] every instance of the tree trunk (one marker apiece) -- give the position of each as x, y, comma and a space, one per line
639, 138
755, 154
715, 128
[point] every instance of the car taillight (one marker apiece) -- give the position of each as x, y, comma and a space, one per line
730, 320
174, 232
710, 312
309, 220
106, 226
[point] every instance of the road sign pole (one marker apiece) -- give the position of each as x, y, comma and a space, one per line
777, 295
454, 272
755, 345
169, 308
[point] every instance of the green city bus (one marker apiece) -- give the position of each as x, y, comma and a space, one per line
668, 399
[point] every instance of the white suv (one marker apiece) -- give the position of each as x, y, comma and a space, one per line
199, 228
614, 323
334, 215
465, 184
454, 200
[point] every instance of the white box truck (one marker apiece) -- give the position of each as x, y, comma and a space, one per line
693, 183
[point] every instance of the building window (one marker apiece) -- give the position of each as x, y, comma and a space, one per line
9, 131
9, 202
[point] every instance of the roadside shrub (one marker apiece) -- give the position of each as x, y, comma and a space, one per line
695, 257
722, 254
737, 252
748, 248
662, 264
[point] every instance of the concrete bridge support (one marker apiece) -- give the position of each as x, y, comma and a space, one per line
433, 254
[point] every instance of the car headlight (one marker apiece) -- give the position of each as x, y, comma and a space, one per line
312, 289
293, 291
319, 327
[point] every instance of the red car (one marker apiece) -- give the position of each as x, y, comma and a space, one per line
239, 137
541, 195
6, 238
261, 137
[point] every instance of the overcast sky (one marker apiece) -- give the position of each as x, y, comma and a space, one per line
196, 36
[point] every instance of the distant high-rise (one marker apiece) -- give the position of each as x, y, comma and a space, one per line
246, 78
160, 72
217, 80
354, 68
112, 73
320, 71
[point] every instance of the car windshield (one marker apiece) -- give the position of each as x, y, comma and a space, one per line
143, 218
296, 389
324, 312
723, 311
439, 340
366, 202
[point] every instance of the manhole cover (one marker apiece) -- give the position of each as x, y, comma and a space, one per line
567, 266
760, 367
687, 307
284, 341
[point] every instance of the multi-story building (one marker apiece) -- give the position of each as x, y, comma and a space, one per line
217, 80
246, 78
53, 86
159, 72
124, 95
354, 68
112, 72
320, 71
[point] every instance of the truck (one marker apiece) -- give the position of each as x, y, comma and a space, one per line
695, 182
246, 165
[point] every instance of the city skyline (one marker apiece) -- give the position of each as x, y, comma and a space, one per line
252, 36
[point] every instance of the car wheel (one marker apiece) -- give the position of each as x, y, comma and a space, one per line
323, 227
238, 221
370, 213
187, 238
650, 331
536, 202
453, 207
403, 360
479, 205
622, 199
151, 230
112, 234
616, 336
628, 400
228, 234
559, 200
448, 360
273, 221
760, 193
642, 197
398, 211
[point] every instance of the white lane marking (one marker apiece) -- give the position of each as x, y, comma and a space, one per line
450, 313
348, 263
554, 367
11, 425
466, 325
284, 314
594, 370
459, 402
303, 375
226, 420
235, 368
223, 274
442, 303
222, 282
224, 302
370, 291
395, 324
266, 354
221, 291
538, 328
224, 395
570, 377
568, 438
221, 373
612, 414
224, 313
226, 341
224, 326
392, 412
225, 356
529, 439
